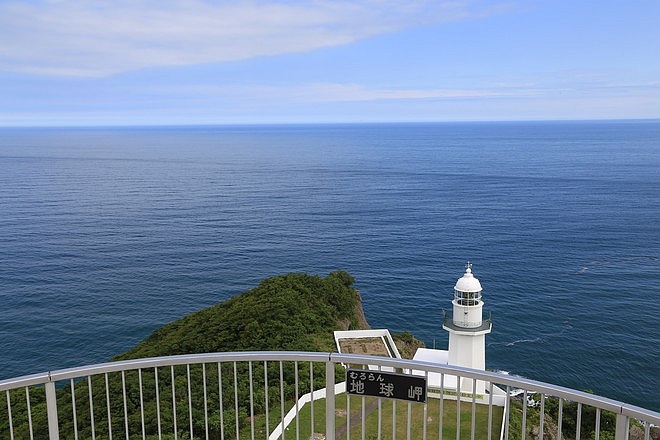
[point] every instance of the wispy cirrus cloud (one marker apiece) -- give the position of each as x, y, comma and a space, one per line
102, 37
337, 92
355, 92
327, 92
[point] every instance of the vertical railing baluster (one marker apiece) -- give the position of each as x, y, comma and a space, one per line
380, 418
190, 414
330, 400
426, 408
409, 421
348, 416
579, 421
311, 390
266, 396
107, 401
441, 417
174, 423
647, 430
622, 426
222, 411
11, 421
380, 412
490, 410
364, 417
458, 407
560, 417
524, 415
474, 409
29, 413
542, 417
91, 407
206, 406
597, 427
73, 410
281, 399
236, 400
251, 400
393, 419
507, 412
141, 403
123, 389
51, 409
295, 381
157, 403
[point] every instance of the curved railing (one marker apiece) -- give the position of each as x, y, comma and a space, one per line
300, 395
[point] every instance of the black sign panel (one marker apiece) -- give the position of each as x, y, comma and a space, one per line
389, 385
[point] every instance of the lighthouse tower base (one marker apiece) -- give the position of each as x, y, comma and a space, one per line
446, 387
468, 351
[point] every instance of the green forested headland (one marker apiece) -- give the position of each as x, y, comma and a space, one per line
295, 312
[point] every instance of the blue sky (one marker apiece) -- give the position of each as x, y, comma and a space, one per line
215, 62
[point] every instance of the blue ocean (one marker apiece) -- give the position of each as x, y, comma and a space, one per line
108, 233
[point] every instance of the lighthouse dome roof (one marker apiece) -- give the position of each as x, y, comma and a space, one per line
468, 282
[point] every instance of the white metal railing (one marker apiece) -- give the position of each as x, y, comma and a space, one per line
284, 395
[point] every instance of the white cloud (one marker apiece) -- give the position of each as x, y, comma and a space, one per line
338, 92
354, 92
102, 37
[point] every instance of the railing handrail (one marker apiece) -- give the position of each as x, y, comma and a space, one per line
605, 403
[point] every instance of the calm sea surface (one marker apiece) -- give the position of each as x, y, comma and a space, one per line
106, 234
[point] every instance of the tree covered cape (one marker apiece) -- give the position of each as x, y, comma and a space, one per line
296, 312
293, 312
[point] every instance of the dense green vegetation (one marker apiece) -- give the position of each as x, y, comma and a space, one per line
288, 312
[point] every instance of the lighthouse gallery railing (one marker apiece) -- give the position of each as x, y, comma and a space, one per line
284, 395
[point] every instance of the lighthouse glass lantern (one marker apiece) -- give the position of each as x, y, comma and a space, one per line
467, 301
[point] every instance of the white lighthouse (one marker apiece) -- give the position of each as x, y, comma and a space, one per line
467, 329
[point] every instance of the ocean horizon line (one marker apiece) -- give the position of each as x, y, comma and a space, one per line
327, 123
